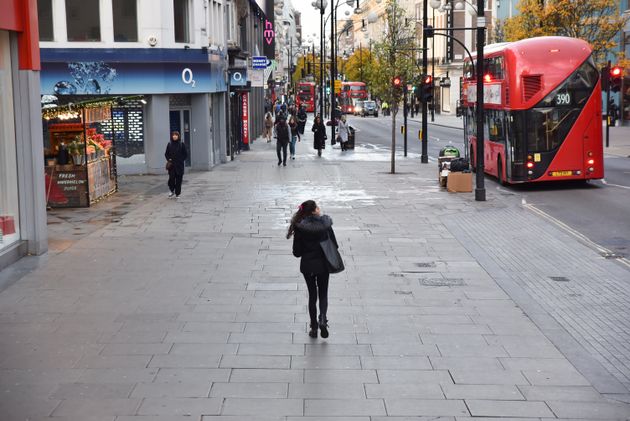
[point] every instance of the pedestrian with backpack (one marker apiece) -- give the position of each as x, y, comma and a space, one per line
310, 229
283, 131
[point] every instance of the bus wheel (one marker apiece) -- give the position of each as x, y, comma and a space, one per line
500, 172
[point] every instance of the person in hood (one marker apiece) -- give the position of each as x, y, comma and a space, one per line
176, 154
308, 228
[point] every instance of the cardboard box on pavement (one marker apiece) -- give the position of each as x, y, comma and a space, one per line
459, 182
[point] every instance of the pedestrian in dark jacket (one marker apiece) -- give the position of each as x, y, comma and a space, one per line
283, 137
176, 155
293, 124
320, 135
308, 228
301, 118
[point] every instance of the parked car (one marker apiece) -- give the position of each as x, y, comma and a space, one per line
358, 107
369, 108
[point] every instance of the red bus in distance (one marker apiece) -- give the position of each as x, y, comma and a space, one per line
306, 96
351, 91
542, 111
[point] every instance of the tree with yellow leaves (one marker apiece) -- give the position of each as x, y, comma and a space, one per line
596, 21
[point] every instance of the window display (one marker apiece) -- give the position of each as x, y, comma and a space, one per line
9, 203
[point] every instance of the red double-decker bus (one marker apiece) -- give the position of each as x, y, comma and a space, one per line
306, 95
351, 91
542, 111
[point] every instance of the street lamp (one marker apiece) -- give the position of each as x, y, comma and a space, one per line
321, 6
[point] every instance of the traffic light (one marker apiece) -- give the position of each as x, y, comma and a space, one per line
397, 82
616, 74
426, 88
328, 87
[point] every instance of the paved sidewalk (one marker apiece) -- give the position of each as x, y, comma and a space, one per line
195, 310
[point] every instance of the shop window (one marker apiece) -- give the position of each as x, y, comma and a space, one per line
181, 13
9, 209
125, 20
83, 20
44, 16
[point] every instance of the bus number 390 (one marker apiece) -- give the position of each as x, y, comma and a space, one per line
563, 98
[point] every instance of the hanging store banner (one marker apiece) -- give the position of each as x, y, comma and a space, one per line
257, 78
238, 77
245, 117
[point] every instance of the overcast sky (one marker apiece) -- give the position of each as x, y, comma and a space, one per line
310, 17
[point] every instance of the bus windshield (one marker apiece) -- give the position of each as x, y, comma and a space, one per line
549, 122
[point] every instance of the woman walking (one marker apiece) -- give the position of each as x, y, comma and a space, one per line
320, 135
176, 155
283, 137
308, 228
301, 118
268, 126
293, 125
342, 132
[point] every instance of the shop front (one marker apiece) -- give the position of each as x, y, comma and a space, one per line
22, 208
9, 199
153, 92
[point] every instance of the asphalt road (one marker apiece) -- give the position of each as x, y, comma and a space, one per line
598, 210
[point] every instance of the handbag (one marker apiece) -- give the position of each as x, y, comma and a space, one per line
169, 165
333, 258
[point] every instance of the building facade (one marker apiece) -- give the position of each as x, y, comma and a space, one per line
172, 53
22, 207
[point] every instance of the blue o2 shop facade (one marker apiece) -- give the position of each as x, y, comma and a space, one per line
153, 92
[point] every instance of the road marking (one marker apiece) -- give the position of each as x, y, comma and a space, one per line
615, 185
580, 237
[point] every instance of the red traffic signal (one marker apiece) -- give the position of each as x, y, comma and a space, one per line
427, 80
397, 81
616, 74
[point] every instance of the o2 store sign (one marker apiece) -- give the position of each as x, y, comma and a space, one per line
187, 77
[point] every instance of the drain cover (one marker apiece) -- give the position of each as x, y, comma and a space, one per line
444, 282
426, 264
403, 292
559, 279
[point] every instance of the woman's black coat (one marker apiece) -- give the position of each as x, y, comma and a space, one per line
320, 136
301, 117
176, 153
308, 234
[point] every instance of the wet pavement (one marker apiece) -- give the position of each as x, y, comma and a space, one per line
195, 310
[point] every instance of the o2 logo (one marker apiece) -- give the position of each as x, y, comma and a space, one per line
187, 77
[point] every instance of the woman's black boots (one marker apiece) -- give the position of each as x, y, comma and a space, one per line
323, 326
313, 332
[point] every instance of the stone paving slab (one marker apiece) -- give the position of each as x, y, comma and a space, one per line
195, 309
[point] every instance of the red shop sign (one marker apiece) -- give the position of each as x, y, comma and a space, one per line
245, 119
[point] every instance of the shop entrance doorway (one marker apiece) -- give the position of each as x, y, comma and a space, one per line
180, 122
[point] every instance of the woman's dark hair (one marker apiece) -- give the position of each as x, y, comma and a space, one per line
175, 132
318, 119
305, 209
